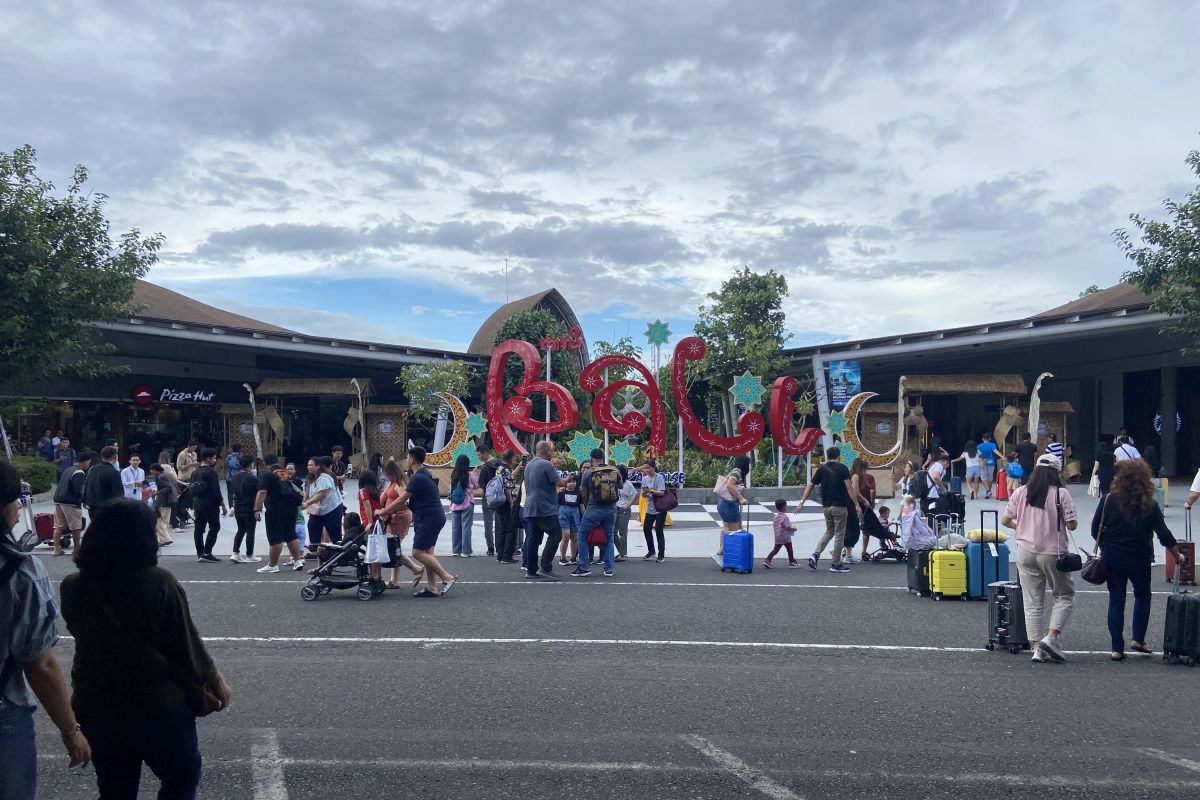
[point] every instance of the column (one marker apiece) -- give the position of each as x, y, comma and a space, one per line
1169, 407
822, 391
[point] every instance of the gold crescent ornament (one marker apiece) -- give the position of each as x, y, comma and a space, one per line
850, 435
458, 414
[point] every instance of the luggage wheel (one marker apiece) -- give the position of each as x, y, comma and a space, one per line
990, 646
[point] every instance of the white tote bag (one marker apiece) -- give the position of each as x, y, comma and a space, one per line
377, 552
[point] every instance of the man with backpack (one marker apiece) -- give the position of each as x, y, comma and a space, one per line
541, 511
498, 496
486, 473
68, 502
599, 491
280, 499
209, 505
233, 465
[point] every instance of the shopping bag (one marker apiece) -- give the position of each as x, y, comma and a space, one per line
1094, 486
377, 552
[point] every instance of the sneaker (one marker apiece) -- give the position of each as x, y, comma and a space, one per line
491, 551
287, 563
251, 559
794, 565
661, 559
619, 559
208, 557
608, 573
298, 565
267, 568
201, 559
648, 556
1050, 647
812, 563
562, 562
574, 561
1039, 657
849, 560
466, 555
535, 576
580, 572
236, 558
839, 568
766, 565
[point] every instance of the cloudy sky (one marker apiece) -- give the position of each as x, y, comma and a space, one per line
363, 169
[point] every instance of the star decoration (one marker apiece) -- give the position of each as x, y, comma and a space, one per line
748, 389
620, 453
476, 425
694, 349
591, 383
752, 426
465, 449
581, 446
515, 407
836, 423
657, 333
848, 453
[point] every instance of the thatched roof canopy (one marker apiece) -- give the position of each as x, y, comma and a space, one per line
551, 300
313, 387
1051, 407
966, 384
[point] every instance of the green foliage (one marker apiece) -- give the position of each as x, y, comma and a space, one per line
423, 382
37, 471
59, 272
622, 347
1093, 289
533, 326
1168, 261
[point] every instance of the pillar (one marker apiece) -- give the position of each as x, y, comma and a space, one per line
1169, 407
822, 391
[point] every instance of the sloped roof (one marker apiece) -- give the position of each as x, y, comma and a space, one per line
155, 302
551, 300
965, 384
1114, 298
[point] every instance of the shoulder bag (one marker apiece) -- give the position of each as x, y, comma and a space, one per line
667, 501
1067, 562
1094, 570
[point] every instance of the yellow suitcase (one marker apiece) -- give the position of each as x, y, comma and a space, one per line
948, 574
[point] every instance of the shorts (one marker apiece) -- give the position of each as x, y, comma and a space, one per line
729, 510
330, 523
973, 470
426, 530
569, 518
988, 473
68, 518
281, 529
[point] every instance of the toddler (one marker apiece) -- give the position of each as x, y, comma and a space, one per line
784, 528
569, 519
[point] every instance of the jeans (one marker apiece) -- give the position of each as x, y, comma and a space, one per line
623, 516
165, 741
245, 529
506, 532
18, 754
1122, 569
460, 530
1037, 573
835, 531
536, 527
598, 517
778, 547
489, 515
569, 519
653, 523
207, 517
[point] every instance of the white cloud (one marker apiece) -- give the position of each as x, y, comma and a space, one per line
417, 311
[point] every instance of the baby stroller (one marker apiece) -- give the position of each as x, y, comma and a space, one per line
344, 568
888, 536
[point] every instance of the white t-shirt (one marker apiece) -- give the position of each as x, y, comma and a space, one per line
1196, 482
936, 471
1126, 452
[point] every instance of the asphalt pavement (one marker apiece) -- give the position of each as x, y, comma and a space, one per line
667, 680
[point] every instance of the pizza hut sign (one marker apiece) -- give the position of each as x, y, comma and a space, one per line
178, 396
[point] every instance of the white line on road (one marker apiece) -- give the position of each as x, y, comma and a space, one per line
266, 765
1170, 758
739, 769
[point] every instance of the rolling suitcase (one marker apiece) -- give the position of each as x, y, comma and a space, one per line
1187, 569
1006, 617
44, 525
918, 572
737, 549
1181, 631
987, 562
947, 568
956, 505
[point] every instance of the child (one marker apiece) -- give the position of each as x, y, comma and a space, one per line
569, 519
875, 523
784, 528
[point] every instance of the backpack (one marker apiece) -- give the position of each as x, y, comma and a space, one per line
494, 494
289, 495
458, 493
604, 485
919, 488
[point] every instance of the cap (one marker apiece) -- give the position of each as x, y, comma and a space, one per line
1049, 460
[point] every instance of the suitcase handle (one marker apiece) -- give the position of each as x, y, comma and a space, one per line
983, 512
1187, 527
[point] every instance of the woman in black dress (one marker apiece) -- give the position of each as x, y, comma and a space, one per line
1102, 468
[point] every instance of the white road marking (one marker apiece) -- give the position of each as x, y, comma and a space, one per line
1170, 758
739, 769
266, 765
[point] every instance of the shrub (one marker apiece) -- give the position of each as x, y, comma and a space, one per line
38, 472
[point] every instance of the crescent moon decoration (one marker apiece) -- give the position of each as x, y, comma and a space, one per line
850, 434
458, 412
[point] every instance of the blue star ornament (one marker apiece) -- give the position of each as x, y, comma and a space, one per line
848, 453
620, 453
748, 389
476, 425
581, 446
466, 449
836, 423
657, 333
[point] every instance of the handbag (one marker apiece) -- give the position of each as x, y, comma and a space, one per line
667, 501
1067, 562
597, 537
377, 552
1094, 571
1094, 486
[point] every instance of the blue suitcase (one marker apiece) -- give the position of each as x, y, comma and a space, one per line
737, 552
987, 562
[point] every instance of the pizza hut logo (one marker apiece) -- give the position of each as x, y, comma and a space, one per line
143, 395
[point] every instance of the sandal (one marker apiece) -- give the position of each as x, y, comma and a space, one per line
448, 585
425, 593
1140, 647
417, 576
390, 585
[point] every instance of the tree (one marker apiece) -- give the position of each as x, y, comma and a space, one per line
744, 330
423, 382
622, 347
1093, 289
533, 326
59, 273
1168, 261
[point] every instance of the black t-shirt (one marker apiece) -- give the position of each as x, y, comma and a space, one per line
832, 477
103, 483
206, 488
1026, 453
244, 487
569, 499
268, 482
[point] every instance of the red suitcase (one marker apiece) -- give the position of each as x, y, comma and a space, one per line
44, 525
1188, 568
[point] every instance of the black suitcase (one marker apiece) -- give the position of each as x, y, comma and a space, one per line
1181, 631
956, 505
1006, 617
918, 572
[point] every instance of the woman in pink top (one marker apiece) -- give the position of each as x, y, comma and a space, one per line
462, 514
1042, 513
